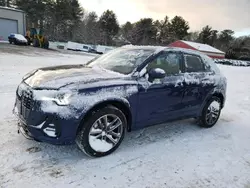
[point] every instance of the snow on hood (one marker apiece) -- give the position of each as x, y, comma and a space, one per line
60, 76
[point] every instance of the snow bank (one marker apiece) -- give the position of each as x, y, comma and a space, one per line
232, 62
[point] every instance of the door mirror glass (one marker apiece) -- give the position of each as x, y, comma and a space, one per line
156, 73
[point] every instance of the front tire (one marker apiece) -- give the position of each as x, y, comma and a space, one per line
210, 113
102, 132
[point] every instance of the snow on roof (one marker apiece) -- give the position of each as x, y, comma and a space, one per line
158, 49
202, 47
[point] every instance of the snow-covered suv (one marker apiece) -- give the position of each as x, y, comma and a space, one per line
128, 88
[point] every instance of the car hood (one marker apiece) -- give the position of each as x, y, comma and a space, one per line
60, 76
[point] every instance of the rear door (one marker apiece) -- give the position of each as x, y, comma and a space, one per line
197, 83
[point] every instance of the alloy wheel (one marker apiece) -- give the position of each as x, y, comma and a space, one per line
213, 112
105, 133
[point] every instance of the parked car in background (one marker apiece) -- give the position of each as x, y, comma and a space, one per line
103, 49
17, 39
126, 89
88, 49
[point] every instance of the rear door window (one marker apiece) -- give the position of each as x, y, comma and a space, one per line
194, 63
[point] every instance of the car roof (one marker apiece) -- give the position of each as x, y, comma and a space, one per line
142, 47
158, 49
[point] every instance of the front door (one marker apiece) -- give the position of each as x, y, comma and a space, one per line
160, 99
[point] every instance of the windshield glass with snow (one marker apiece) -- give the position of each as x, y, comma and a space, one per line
122, 60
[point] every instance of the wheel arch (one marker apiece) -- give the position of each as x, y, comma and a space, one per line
221, 97
213, 94
121, 104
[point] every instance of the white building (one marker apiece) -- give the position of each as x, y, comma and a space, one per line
11, 21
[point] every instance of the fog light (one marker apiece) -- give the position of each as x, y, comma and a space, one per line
50, 131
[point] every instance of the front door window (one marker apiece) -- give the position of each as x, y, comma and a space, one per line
169, 62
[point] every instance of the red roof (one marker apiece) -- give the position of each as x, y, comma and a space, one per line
196, 46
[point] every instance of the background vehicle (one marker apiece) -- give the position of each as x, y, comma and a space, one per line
125, 89
81, 47
17, 39
88, 49
36, 37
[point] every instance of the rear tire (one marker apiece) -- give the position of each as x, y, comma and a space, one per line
210, 113
97, 138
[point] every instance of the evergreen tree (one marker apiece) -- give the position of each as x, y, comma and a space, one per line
178, 28
58, 19
192, 36
91, 29
126, 31
225, 38
208, 36
144, 32
7, 3
34, 11
163, 33
205, 34
2, 3
109, 26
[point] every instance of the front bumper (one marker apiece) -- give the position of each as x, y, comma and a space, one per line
22, 128
36, 125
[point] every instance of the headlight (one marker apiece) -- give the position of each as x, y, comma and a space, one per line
60, 99
20, 89
63, 99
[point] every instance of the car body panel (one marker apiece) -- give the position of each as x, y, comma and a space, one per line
60, 76
160, 101
174, 97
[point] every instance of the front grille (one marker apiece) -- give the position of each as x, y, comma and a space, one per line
27, 99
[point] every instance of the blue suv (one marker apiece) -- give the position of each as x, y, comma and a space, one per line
126, 89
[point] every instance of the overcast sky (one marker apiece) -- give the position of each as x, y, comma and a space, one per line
220, 14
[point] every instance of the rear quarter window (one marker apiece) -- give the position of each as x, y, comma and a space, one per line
210, 64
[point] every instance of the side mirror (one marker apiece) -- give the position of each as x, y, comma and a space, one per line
156, 73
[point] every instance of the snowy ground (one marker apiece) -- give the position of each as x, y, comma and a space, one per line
178, 154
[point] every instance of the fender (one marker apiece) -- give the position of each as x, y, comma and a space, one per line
105, 102
213, 92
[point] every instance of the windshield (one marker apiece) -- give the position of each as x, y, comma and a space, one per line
122, 60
